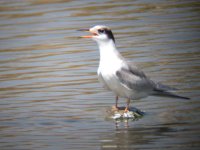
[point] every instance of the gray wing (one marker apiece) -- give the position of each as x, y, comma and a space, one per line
156, 86
135, 79
135, 70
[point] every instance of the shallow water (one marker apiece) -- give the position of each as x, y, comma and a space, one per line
50, 97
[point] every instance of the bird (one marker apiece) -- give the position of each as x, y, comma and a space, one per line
121, 76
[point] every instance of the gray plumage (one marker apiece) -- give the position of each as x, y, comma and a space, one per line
120, 76
127, 77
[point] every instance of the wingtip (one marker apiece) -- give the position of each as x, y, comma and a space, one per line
187, 98
169, 94
182, 97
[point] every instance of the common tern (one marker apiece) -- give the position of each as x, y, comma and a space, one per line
121, 76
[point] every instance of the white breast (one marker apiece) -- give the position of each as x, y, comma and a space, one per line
110, 62
107, 75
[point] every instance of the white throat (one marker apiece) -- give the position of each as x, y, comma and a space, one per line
109, 56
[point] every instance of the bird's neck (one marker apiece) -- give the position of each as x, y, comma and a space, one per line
108, 50
108, 53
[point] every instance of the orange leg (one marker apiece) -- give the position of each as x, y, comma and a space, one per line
127, 105
116, 101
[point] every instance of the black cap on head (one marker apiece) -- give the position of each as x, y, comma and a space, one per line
108, 32
110, 35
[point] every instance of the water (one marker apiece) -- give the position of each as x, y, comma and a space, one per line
50, 97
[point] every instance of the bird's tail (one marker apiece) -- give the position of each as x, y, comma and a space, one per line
169, 94
164, 91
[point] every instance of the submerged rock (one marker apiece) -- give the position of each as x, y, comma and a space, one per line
119, 114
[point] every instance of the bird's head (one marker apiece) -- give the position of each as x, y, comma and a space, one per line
99, 34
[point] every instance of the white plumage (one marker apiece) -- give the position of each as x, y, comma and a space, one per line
120, 76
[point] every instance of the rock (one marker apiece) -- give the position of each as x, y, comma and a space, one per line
119, 114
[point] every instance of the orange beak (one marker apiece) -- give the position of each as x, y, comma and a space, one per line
87, 36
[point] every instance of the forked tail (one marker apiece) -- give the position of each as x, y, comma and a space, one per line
168, 94
164, 91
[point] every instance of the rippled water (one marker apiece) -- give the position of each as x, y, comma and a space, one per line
50, 97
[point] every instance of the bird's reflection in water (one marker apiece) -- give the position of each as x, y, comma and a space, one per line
124, 124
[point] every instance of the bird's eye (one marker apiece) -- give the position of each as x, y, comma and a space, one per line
101, 31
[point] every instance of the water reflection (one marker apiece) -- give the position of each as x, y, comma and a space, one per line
50, 96
137, 137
